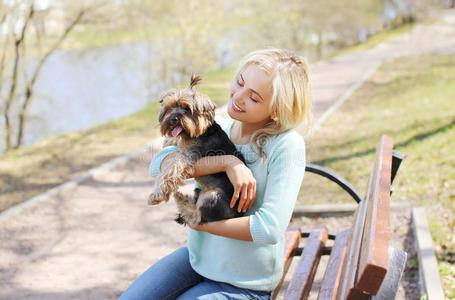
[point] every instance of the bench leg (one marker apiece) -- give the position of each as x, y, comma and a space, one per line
389, 287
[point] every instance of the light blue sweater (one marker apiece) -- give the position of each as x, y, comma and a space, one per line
256, 265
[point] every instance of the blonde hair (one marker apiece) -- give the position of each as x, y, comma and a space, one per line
291, 99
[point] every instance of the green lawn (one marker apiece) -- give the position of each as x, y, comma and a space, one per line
412, 100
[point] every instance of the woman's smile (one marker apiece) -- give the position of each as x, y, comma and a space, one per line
236, 108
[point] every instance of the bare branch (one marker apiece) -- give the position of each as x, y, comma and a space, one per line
31, 83
12, 90
2, 64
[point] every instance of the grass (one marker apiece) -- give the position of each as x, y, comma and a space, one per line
410, 99
32, 170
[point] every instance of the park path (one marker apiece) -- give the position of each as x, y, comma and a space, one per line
91, 238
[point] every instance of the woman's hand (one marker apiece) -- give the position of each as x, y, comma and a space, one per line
243, 181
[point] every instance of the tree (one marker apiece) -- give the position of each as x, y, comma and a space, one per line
19, 21
187, 33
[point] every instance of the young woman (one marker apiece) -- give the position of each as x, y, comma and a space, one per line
242, 258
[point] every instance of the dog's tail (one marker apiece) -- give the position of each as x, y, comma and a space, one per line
195, 79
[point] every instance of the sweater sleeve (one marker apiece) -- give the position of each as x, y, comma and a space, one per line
155, 165
285, 172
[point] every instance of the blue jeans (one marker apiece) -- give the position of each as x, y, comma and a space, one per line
172, 277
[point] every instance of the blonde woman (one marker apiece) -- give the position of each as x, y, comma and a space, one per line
242, 258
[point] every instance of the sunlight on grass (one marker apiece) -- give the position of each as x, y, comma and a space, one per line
447, 271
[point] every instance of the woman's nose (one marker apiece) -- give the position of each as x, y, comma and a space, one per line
237, 95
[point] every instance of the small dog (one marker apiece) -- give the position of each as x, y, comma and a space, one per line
187, 119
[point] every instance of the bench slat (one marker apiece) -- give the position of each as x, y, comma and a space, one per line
351, 261
292, 237
374, 257
333, 270
367, 256
300, 286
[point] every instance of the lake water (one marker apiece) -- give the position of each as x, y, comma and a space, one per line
77, 89
81, 88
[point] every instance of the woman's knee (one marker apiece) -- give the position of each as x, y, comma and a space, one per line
170, 275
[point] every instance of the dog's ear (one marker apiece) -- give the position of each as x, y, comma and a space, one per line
166, 98
161, 115
205, 105
172, 94
206, 109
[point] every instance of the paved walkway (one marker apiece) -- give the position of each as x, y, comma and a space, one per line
90, 239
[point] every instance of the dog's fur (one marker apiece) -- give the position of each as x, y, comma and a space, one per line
187, 119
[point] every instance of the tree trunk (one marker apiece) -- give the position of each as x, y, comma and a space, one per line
12, 91
31, 84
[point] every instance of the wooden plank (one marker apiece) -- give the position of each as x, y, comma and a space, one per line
374, 257
333, 271
300, 286
292, 237
349, 288
351, 260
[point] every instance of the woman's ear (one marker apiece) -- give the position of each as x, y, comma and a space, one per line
274, 116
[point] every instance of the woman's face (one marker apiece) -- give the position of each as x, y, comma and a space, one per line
250, 96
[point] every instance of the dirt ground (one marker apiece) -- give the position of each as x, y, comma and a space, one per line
92, 240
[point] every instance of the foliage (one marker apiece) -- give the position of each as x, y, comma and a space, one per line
195, 34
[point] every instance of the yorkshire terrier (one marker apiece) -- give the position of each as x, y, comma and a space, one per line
187, 119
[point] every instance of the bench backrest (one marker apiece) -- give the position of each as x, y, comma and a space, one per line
366, 261
359, 258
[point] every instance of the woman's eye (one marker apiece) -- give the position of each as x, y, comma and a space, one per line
239, 83
254, 100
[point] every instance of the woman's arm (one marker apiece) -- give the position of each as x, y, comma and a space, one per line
238, 173
237, 228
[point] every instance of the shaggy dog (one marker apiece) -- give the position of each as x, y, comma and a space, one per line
187, 119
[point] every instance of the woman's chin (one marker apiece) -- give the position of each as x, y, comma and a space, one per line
231, 114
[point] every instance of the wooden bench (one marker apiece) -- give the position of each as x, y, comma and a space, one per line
361, 263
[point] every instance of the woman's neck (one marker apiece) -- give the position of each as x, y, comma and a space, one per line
241, 132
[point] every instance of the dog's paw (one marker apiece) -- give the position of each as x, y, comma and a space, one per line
192, 219
155, 198
180, 220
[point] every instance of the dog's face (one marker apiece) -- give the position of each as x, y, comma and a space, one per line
185, 113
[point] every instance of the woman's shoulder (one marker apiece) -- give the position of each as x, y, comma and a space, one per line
289, 143
286, 149
289, 139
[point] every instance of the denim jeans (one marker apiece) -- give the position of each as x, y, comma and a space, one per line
172, 277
